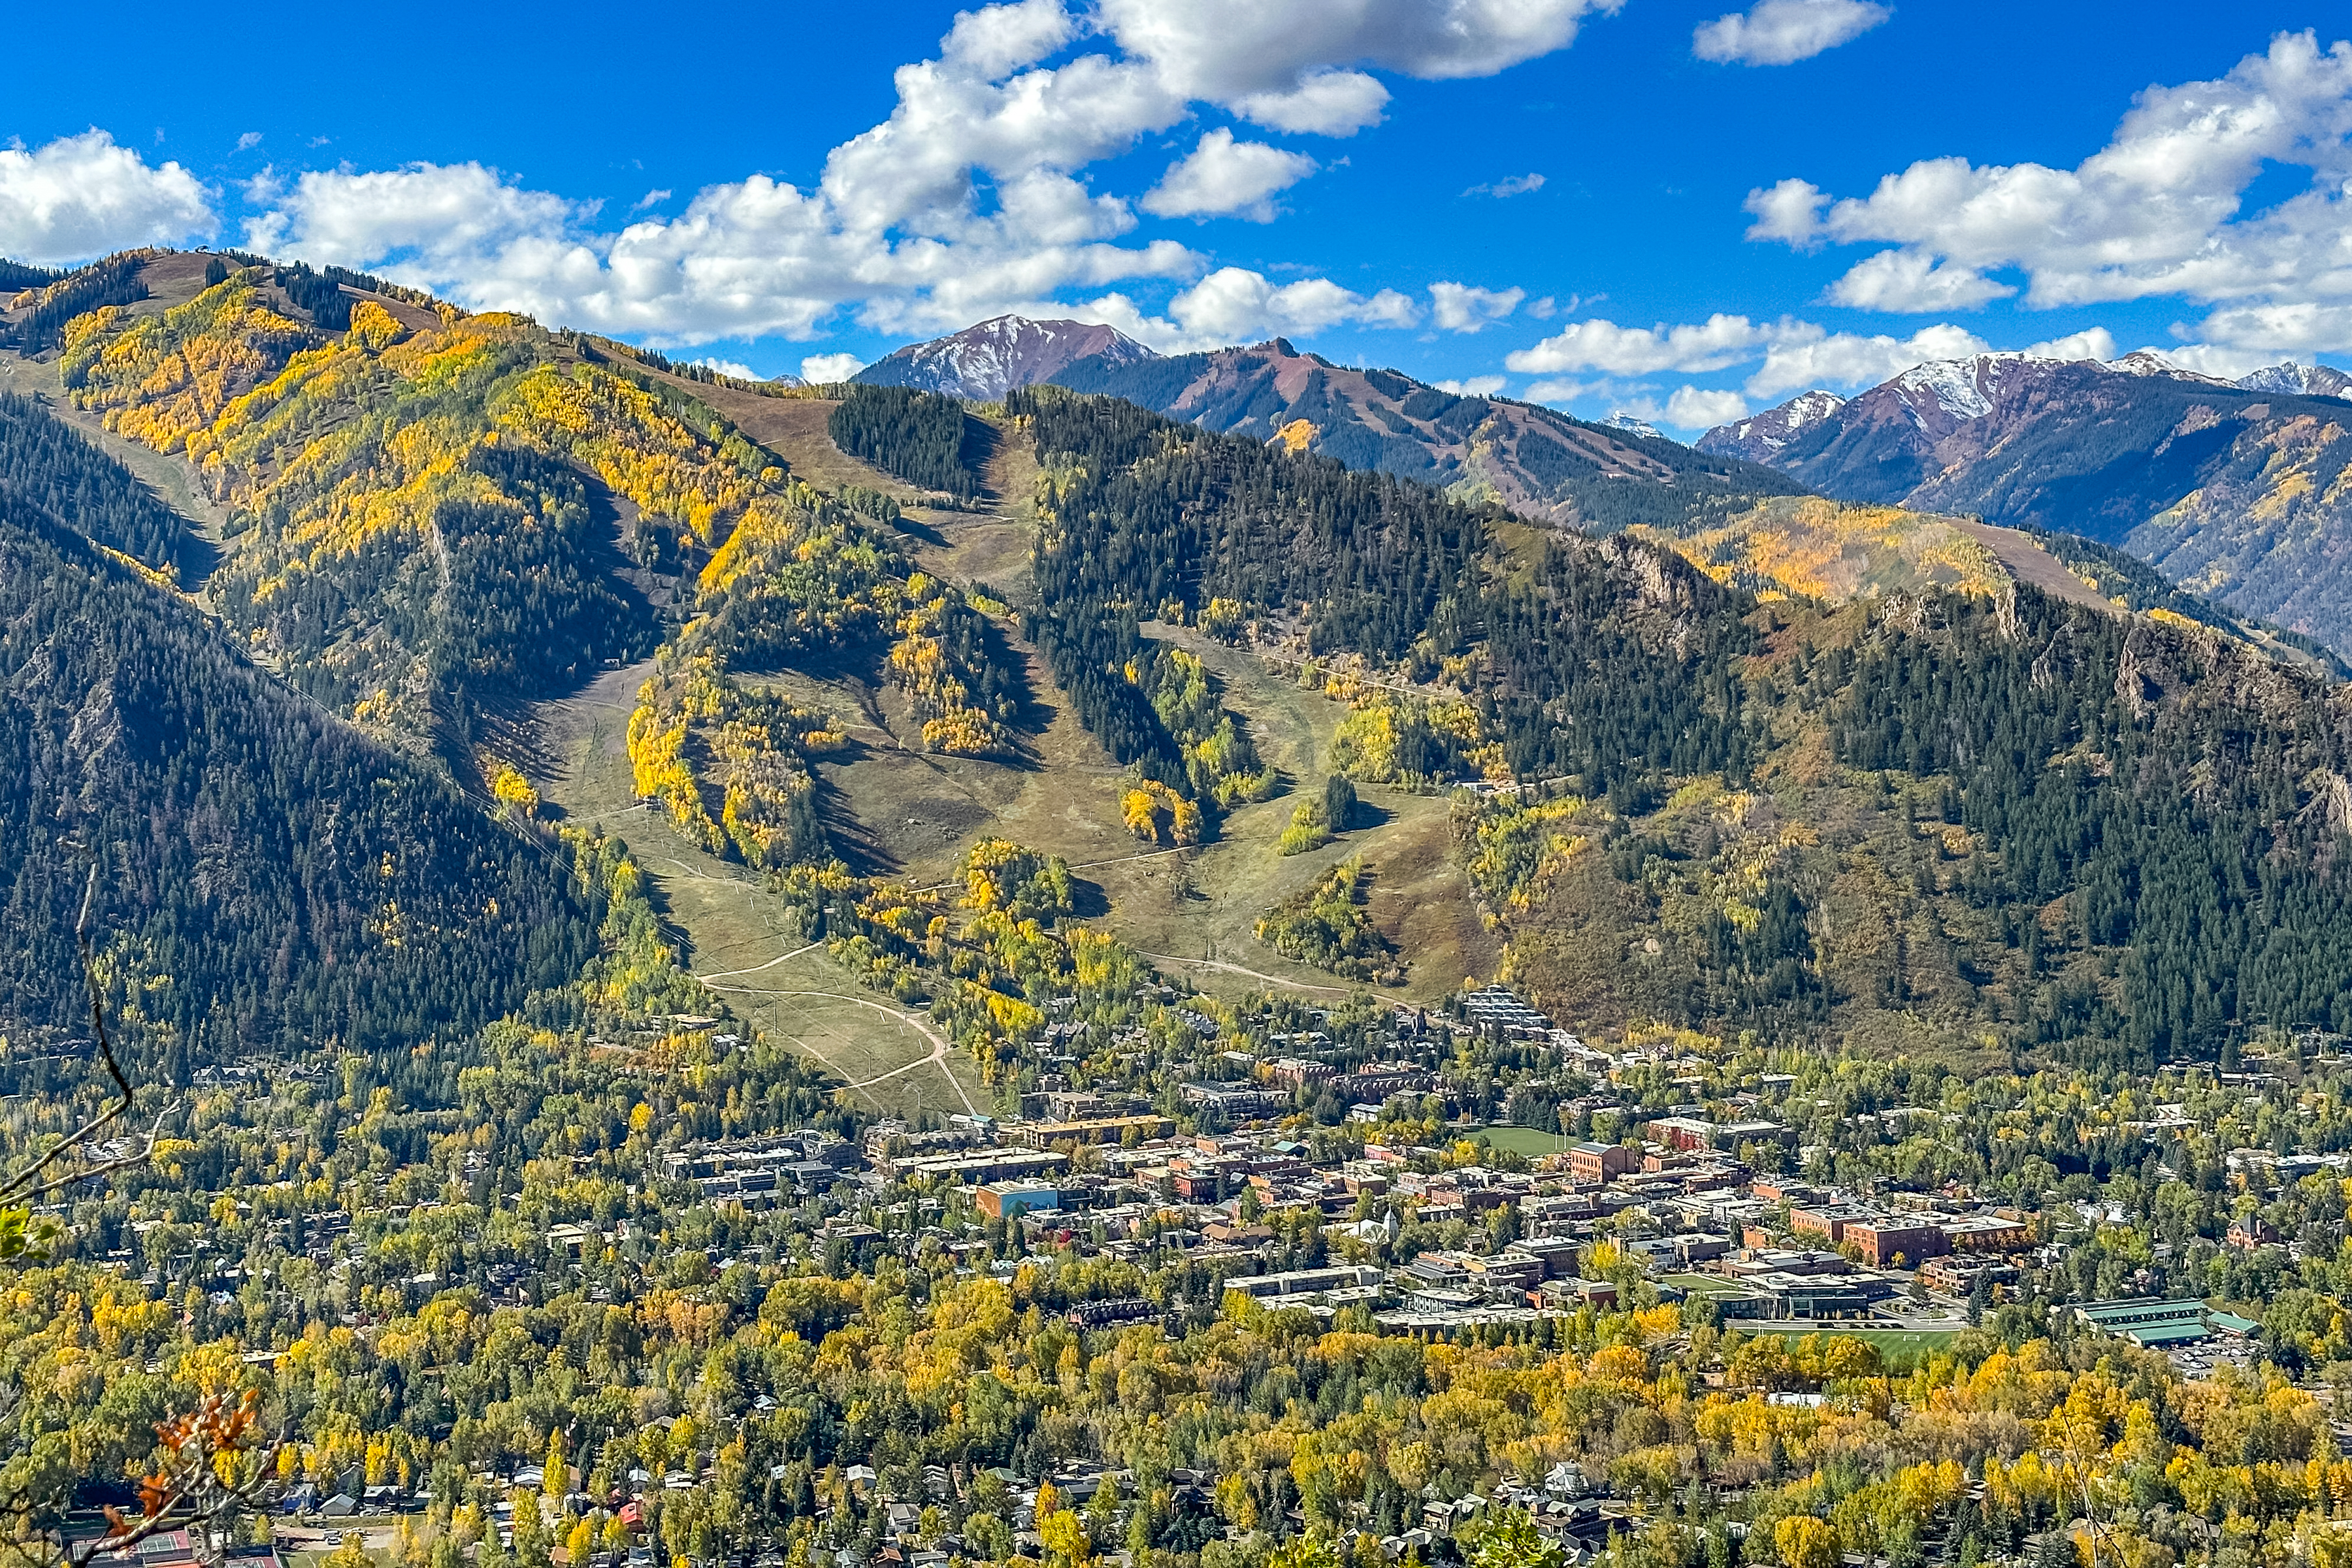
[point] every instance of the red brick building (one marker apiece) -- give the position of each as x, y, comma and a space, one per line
1882, 1241
1601, 1162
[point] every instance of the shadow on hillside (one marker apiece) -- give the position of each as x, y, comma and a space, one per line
856, 843
917, 528
1088, 902
197, 557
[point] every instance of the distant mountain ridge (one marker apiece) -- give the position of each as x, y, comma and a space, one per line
990, 358
1536, 461
2312, 380
2235, 491
1760, 437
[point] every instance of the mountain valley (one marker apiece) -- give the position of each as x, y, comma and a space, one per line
1083, 785
519, 760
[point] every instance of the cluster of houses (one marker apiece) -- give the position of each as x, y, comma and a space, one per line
1421, 1239
1680, 1204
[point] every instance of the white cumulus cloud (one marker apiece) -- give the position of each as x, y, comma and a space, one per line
80, 196
1600, 344
1233, 303
1298, 65
2091, 342
1790, 212
741, 261
1915, 281
2160, 210
822, 368
1806, 355
997, 40
972, 199
1561, 389
1697, 408
1781, 32
439, 218
1472, 386
1459, 308
2275, 329
1222, 177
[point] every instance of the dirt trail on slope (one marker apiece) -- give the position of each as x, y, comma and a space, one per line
2032, 565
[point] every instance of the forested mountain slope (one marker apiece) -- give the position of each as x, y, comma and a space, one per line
2237, 493
927, 438
49, 475
415, 512
269, 879
1539, 463
1716, 817
1931, 818
430, 510
1833, 551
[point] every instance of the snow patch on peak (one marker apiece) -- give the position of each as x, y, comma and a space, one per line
2142, 362
2304, 380
1620, 420
1760, 437
1954, 387
2148, 361
991, 357
1951, 392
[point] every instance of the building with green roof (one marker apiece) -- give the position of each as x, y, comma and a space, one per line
2150, 1324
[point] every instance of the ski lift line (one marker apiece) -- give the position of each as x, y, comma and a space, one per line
755, 969
799, 1040
938, 1041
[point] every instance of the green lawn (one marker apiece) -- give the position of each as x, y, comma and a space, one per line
1531, 1141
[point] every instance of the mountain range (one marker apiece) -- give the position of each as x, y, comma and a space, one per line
1535, 461
2241, 491
2231, 490
1819, 769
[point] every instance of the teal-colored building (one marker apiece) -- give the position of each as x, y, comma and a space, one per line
2152, 1325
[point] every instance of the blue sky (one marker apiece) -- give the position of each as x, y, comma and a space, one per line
1558, 194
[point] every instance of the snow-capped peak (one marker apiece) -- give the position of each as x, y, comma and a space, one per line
1760, 436
1811, 407
991, 357
2148, 361
1960, 389
2304, 380
1620, 420
2142, 362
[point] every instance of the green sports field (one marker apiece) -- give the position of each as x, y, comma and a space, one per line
1531, 1142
